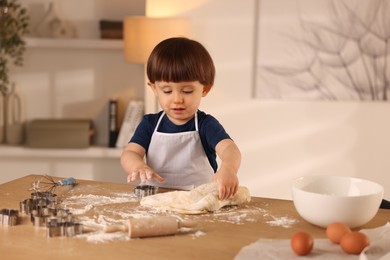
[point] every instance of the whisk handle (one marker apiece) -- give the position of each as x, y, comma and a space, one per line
67, 181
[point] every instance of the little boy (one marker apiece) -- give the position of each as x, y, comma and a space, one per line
181, 142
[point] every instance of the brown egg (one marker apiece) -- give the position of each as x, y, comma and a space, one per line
302, 243
336, 231
354, 242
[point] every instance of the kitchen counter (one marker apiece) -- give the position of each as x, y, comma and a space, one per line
220, 235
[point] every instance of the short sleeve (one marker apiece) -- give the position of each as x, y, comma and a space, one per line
212, 132
143, 132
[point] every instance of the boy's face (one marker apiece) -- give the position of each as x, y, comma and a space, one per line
179, 100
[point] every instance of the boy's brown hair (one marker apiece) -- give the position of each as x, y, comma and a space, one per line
180, 59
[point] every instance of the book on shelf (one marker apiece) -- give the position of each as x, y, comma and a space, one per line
105, 121
131, 118
112, 122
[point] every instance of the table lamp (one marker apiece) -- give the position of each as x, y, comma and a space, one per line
142, 34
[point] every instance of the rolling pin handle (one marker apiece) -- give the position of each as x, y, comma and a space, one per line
116, 228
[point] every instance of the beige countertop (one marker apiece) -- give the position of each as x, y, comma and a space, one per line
221, 234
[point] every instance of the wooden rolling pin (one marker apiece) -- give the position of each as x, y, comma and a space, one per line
151, 226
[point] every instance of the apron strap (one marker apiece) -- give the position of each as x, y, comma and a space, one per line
196, 121
162, 115
159, 121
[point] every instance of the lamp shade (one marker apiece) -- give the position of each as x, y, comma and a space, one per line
142, 34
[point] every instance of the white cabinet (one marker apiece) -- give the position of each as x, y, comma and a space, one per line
74, 78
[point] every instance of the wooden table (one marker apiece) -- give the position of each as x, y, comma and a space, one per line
222, 235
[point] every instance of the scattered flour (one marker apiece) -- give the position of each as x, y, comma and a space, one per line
198, 234
96, 200
245, 214
96, 212
284, 221
101, 237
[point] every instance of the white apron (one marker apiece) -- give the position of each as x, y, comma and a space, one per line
179, 158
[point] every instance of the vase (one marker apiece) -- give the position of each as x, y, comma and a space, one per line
2, 117
54, 26
13, 130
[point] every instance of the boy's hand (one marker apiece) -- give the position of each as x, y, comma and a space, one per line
133, 164
226, 176
144, 174
227, 184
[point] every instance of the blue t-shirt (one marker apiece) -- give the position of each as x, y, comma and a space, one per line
210, 130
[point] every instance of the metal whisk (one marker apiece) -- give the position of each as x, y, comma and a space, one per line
50, 184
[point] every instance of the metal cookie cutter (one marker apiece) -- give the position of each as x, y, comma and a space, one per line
72, 229
9, 217
43, 212
40, 206
38, 200
145, 190
60, 226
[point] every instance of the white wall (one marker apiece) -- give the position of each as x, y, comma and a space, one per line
280, 140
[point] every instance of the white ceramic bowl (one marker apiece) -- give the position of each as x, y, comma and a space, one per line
322, 200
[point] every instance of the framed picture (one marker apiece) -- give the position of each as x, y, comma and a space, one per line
323, 50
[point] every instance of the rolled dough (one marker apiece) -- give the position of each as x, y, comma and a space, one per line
200, 200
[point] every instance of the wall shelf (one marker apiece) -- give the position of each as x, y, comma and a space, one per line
92, 152
78, 43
